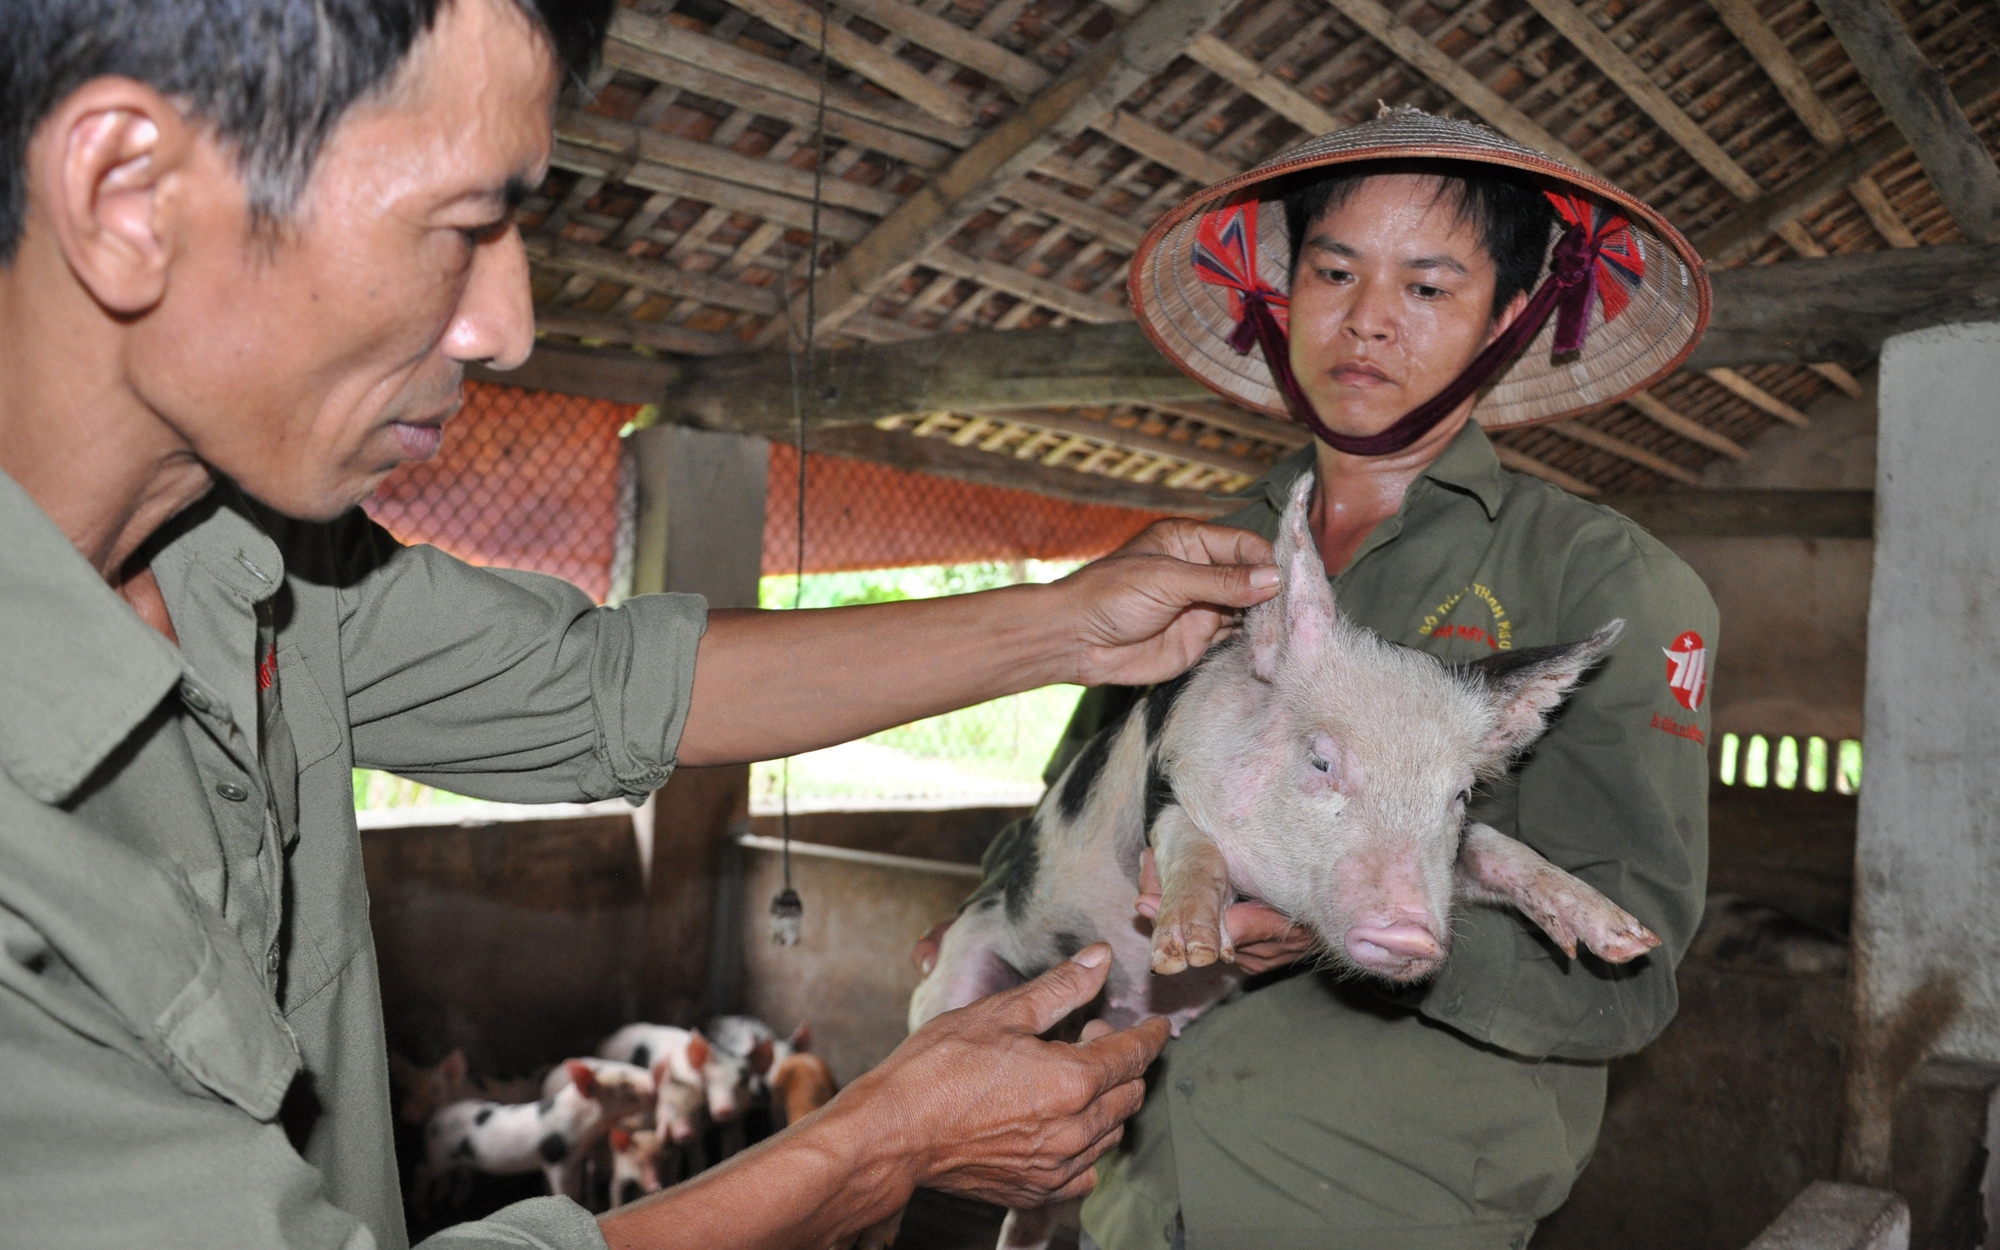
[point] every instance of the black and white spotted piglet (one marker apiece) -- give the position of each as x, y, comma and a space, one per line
581, 1101
1306, 762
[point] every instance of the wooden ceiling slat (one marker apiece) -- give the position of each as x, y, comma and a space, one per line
920, 152
1010, 69
728, 197
689, 48
803, 23
1428, 59
1915, 96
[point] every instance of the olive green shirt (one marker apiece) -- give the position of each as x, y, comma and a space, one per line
1456, 1113
191, 1042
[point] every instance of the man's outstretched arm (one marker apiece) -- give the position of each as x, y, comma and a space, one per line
769, 684
974, 1103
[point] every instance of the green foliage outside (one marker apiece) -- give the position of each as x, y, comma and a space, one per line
991, 753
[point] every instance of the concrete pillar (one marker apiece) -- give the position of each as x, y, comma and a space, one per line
700, 529
1927, 897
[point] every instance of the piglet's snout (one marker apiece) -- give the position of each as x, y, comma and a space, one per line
1400, 947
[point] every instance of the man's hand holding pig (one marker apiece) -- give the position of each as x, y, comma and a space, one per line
1264, 937
975, 1103
770, 684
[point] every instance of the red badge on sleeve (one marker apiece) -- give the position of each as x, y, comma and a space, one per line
1687, 670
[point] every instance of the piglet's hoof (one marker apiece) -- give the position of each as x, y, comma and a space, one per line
1195, 943
1570, 911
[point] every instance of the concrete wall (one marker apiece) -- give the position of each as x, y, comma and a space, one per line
1928, 859
850, 975
1794, 610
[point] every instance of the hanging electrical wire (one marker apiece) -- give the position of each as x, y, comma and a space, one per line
787, 909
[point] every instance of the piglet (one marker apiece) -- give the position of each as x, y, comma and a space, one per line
582, 1100
723, 1077
800, 1085
1305, 762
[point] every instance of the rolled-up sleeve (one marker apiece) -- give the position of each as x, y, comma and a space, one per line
512, 686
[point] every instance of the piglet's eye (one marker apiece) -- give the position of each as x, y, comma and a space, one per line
1322, 763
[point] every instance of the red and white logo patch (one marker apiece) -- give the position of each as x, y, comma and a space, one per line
1687, 670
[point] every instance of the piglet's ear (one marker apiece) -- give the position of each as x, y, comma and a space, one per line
802, 1037
1299, 622
698, 1051
760, 1056
582, 1077
1525, 686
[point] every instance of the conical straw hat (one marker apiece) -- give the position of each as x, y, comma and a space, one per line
1652, 330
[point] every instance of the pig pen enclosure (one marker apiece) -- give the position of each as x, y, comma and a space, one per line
987, 413
511, 939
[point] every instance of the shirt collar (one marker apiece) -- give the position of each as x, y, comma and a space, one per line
82, 671
1468, 464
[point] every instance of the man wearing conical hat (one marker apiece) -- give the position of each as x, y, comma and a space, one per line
1401, 288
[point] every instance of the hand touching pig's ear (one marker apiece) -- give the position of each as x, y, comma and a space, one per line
1525, 686
1300, 622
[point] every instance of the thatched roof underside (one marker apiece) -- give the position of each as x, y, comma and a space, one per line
676, 216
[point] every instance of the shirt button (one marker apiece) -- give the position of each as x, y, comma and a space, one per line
192, 696
1185, 1087
231, 791
271, 960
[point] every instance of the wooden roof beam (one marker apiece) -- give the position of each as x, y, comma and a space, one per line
1086, 92
731, 197
1688, 428
1761, 216
937, 456
1743, 388
1769, 51
715, 56
1432, 62
1798, 312
1919, 102
610, 328
653, 275
1132, 440
877, 65
1522, 462
1631, 453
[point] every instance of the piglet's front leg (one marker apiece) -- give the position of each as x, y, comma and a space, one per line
1194, 894
1494, 868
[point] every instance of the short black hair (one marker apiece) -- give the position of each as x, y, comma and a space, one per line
1507, 207
273, 77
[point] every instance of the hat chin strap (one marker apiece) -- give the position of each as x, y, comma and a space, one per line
1567, 291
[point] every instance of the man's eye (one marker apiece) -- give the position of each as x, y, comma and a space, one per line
475, 235
1424, 291
1334, 275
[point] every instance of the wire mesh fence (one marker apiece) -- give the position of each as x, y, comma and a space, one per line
525, 480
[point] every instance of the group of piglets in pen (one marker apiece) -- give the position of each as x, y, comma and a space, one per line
611, 1127
1305, 762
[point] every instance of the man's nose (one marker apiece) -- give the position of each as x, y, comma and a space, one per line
495, 320
1371, 317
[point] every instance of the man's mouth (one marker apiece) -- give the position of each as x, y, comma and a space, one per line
419, 440
1360, 374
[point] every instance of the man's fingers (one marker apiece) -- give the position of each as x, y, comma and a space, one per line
1201, 542
1044, 1001
1233, 585
1149, 872
1084, 1181
1255, 922
1094, 1029
1126, 1054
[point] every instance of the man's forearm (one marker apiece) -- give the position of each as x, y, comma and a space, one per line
769, 684
819, 1182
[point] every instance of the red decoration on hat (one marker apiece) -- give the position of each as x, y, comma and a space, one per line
1225, 255
1615, 276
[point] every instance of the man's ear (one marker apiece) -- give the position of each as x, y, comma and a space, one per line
103, 172
1505, 317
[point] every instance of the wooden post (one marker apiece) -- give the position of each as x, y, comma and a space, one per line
700, 530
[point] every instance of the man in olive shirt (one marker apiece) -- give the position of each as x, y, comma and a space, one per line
1312, 1111
246, 249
